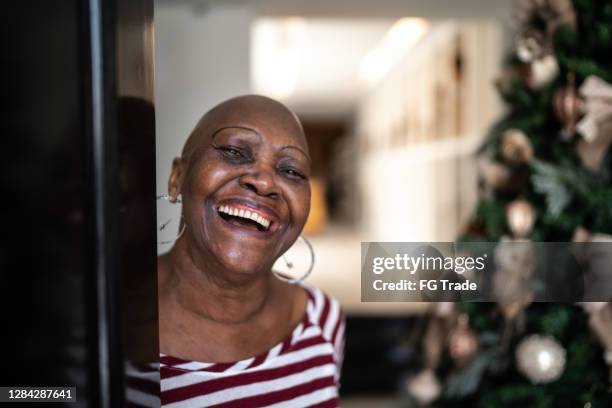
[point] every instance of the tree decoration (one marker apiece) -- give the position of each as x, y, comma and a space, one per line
516, 147
540, 20
530, 46
520, 217
462, 342
444, 310
600, 322
568, 108
442, 316
568, 186
512, 279
592, 154
553, 183
540, 358
546, 15
597, 95
594, 252
425, 387
542, 71
516, 72
495, 175
596, 125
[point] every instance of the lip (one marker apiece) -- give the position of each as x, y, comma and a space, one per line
253, 206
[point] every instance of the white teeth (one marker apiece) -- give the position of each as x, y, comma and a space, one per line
239, 212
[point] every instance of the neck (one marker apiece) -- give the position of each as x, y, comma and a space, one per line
206, 290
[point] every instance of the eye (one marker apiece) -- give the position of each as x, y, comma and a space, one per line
292, 173
233, 153
230, 151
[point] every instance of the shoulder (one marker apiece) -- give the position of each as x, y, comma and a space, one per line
324, 311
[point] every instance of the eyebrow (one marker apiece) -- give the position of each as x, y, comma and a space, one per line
216, 132
298, 149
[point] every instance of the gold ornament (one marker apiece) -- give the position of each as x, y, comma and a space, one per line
520, 217
540, 358
568, 107
462, 342
516, 147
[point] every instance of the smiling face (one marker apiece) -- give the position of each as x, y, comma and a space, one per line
244, 183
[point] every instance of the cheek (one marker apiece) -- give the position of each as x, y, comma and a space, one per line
300, 205
207, 178
200, 186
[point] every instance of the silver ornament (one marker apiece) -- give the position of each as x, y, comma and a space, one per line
542, 72
529, 48
425, 387
540, 358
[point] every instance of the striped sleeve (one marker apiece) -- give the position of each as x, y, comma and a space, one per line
332, 324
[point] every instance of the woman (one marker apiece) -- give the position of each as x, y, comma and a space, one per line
231, 332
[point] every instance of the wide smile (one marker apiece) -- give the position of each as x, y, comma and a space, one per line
247, 217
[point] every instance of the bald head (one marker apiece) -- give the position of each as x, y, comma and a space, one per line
255, 112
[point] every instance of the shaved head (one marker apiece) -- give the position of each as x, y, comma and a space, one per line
254, 112
248, 153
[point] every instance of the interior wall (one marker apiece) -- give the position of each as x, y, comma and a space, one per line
415, 175
201, 58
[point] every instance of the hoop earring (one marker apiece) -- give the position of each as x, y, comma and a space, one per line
164, 224
290, 265
177, 199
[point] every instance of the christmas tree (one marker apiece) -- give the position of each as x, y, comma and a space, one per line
545, 177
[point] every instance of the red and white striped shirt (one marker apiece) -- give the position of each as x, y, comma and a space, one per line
302, 371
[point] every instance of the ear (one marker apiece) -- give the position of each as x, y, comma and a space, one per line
175, 181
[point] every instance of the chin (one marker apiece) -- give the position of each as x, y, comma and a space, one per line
246, 261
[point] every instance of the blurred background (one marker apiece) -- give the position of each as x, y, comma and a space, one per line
434, 120
394, 96
430, 121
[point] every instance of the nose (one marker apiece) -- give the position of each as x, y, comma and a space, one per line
260, 181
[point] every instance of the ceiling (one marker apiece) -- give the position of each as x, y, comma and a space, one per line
322, 54
430, 9
326, 44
